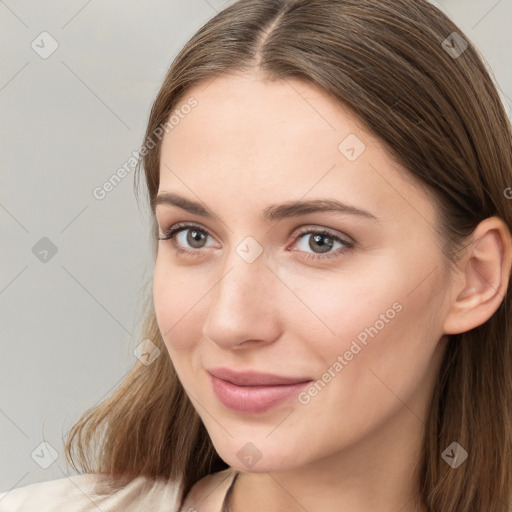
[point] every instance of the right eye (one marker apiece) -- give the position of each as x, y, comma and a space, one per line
186, 238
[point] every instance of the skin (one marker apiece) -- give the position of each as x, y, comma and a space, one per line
355, 446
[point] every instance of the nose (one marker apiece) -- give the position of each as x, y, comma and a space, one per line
243, 308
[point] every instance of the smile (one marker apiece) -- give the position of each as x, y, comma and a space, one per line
254, 398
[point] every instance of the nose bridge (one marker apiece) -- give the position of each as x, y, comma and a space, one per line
245, 272
242, 300
242, 281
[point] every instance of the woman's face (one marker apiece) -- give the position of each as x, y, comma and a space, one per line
351, 299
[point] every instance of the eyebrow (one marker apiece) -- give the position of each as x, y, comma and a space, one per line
272, 212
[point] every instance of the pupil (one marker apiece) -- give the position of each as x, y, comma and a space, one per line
192, 238
324, 247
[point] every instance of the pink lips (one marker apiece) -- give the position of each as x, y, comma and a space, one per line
253, 392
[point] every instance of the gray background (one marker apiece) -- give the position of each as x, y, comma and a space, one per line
68, 122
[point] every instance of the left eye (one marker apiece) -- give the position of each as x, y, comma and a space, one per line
321, 242
190, 238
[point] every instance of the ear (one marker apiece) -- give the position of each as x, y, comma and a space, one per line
480, 287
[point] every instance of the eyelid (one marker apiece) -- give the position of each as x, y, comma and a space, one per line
320, 229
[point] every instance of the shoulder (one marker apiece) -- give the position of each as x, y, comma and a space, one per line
90, 492
208, 493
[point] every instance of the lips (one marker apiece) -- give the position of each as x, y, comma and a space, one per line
252, 378
253, 392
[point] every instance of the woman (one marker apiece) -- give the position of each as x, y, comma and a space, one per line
329, 328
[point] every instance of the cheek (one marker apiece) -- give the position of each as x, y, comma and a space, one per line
333, 309
381, 324
384, 354
181, 302
179, 297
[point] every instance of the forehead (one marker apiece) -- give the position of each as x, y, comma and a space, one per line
254, 141
255, 110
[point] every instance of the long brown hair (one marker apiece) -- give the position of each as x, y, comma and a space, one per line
397, 65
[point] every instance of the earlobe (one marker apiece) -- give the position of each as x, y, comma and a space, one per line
483, 279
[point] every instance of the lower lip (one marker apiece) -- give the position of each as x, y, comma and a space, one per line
253, 399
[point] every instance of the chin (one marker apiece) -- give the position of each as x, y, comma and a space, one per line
257, 457
260, 467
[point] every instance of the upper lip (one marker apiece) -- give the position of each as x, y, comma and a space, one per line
252, 378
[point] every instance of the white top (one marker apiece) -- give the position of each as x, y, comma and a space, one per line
94, 492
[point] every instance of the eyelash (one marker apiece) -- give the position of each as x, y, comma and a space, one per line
169, 235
